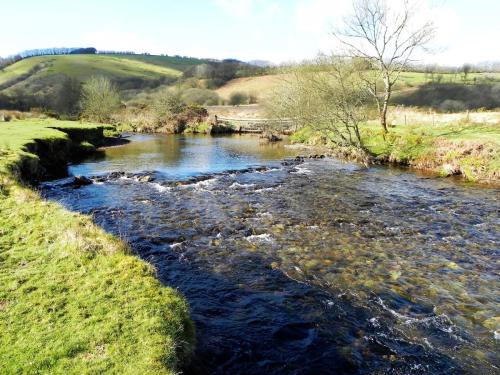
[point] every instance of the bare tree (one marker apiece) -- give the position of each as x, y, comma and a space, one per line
327, 96
387, 37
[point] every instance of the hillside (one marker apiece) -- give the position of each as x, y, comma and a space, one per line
260, 86
38, 75
411, 90
36, 82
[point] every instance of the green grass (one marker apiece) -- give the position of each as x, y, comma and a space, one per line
114, 66
201, 128
173, 62
123, 69
471, 149
413, 79
263, 86
72, 297
15, 136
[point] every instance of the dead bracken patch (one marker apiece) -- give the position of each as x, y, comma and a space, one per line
467, 158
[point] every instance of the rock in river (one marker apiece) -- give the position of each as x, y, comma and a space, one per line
81, 181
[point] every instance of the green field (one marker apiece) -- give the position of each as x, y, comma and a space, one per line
137, 74
466, 148
72, 297
173, 62
263, 86
36, 75
411, 79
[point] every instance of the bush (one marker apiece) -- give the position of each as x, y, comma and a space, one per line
66, 99
253, 98
238, 98
173, 114
196, 96
450, 105
167, 107
100, 99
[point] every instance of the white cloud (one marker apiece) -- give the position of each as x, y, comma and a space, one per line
238, 8
273, 9
314, 21
318, 16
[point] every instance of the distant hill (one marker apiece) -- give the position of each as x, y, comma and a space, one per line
441, 91
39, 75
261, 63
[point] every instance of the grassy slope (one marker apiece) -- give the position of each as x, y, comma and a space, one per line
82, 67
473, 149
260, 86
72, 298
264, 85
173, 62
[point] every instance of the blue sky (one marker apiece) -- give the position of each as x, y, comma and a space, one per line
276, 30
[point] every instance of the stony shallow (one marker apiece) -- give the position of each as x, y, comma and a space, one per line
306, 266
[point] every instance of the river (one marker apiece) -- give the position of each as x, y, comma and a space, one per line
311, 266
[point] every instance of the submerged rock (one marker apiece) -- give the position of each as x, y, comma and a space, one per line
81, 181
115, 175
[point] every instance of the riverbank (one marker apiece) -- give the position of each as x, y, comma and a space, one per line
471, 150
72, 297
297, 265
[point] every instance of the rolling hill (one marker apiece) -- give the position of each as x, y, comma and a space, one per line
39, 75
410, 84
32, 82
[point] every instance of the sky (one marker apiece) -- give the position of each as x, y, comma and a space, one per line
273, 30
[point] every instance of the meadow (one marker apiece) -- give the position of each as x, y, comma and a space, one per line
38, 75
72, 297
263, 86
466, 144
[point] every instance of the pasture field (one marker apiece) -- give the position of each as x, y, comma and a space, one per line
466, 144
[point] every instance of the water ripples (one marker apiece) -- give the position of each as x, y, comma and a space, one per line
317, 266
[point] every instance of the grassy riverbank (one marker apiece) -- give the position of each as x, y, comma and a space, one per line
459, 147
72, 297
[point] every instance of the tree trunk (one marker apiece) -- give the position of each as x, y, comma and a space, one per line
385, 104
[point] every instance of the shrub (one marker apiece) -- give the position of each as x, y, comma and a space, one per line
196, 96
66, 99
253, 98
238, 98
450, 105
167, 107
100, 99
173, 114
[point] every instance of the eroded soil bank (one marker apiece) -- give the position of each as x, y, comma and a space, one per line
72, 297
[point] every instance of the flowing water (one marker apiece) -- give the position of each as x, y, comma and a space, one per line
306, 266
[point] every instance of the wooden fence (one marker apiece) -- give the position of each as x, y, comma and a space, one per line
257, 125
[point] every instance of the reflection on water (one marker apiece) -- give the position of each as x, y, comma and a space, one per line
320, 267
180, 156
